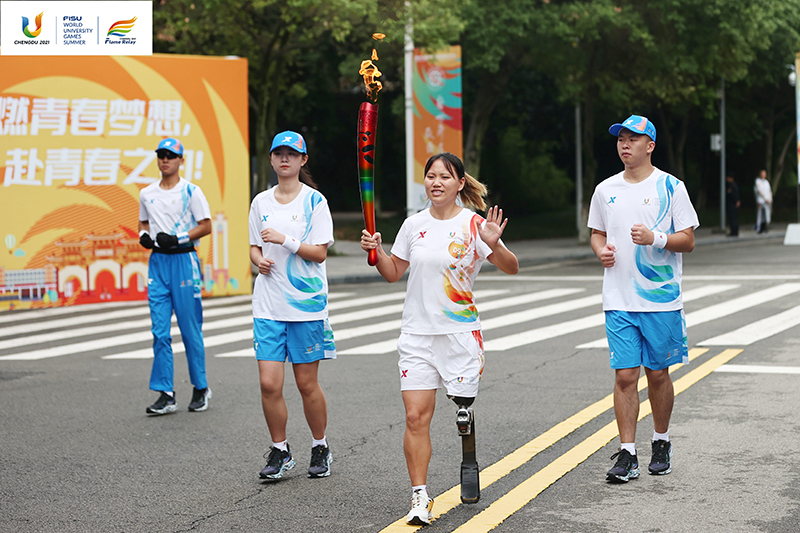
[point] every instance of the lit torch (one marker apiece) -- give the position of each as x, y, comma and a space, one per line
367, 128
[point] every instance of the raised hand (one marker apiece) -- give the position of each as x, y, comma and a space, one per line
491, 231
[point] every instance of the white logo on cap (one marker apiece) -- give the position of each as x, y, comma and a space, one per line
287, 139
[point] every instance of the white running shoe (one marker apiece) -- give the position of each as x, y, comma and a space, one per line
421, 509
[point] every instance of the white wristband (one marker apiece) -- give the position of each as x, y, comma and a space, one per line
291, 244
183, 238
659, 239
142, 233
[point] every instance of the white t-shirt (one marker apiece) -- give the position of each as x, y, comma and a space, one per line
295, 290
445, 256
763, 191
173, 211
643, 278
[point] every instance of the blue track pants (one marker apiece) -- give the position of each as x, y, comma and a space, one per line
174, 285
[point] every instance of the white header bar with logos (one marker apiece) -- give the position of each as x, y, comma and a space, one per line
83, 28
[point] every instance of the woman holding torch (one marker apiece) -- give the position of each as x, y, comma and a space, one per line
440, 342
290, 231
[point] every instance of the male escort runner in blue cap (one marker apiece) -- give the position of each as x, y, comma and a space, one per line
177, 213
642, 222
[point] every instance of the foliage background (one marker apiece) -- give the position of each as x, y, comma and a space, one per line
526, 65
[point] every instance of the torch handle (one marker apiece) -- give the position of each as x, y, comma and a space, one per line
367, 127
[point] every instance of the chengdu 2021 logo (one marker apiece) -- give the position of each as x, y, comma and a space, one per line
32, 32
118, 32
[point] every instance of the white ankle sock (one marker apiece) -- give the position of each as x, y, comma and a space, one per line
423, 488
322, 442
630, 446
282, 446
661, 436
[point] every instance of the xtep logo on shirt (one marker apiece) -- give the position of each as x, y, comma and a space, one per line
32, 33
422, 234
404, 373
264, 218
611, 199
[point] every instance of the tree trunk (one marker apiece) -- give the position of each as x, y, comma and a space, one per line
493, 86
780, 164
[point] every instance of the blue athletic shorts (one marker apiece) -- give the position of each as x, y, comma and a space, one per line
296, 342
655, 340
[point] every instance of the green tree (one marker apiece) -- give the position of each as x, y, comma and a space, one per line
292, 45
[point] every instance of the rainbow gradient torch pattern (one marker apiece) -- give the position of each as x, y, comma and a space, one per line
367, 127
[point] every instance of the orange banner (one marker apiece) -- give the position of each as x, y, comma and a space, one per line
436, 82
77, 144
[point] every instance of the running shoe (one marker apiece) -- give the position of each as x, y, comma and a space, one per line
421, 509
627, 467
661, 461
200, 399
320, 461
164, 405
278, 462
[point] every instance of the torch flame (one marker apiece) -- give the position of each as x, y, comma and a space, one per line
378, 36
370, 73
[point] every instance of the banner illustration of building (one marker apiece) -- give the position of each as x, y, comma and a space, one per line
77, 144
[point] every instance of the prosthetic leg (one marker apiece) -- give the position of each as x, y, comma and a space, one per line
465, 421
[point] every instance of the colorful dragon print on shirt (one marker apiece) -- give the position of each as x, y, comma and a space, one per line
460, 275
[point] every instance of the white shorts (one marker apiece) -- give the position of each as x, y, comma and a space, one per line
428, 362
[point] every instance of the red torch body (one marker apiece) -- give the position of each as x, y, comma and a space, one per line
367, 127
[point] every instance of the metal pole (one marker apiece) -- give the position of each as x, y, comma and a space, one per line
797, 121
578, 170
408, 64
722, 170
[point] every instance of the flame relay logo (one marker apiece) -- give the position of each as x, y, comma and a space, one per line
120, 30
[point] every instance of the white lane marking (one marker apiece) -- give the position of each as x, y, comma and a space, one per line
487, 324
759, 369
556, 330
756, 331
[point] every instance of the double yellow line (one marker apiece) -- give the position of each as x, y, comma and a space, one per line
519, 496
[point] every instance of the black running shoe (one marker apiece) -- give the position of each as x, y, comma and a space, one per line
661, 461
627, 467
200, 399
278, 462
164, 405
320, 461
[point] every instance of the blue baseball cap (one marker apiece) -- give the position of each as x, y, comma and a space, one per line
171, 144
636, 124
291, 139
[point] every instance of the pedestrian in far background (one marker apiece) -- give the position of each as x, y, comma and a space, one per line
176, 213
732, 203
763, 192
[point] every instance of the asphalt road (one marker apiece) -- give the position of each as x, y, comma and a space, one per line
77, 452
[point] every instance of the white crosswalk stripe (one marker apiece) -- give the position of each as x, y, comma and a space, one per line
723, 309
228, 323
756, 331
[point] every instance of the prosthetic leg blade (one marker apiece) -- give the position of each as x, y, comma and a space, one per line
470, 481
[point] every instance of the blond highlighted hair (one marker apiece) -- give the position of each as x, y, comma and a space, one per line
474, 192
